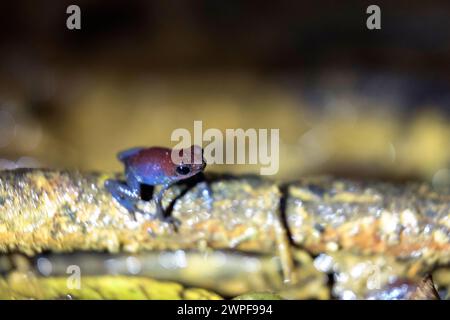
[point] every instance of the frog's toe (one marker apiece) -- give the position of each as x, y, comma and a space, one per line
161, 216
172, 221
132, 214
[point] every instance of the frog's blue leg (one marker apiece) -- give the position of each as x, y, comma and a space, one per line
123, 155
128, 194
125, 194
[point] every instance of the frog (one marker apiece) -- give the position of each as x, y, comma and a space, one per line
154, 166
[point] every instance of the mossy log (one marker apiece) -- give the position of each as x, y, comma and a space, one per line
66, 211
62, 211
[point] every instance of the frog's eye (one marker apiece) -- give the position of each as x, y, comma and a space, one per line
183, 170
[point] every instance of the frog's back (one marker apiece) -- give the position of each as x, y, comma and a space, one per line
151, 166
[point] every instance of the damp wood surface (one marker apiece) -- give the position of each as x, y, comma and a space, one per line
314, 226
66, 211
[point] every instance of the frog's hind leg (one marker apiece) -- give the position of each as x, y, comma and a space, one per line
124, 155
126, 196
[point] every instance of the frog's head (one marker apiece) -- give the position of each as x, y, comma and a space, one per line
188, 162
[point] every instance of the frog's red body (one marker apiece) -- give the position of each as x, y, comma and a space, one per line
154, 166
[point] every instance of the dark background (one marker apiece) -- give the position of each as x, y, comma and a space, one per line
347, 100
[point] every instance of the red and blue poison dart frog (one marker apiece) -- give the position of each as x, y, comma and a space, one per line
154, 166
